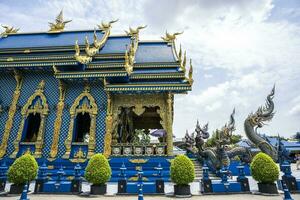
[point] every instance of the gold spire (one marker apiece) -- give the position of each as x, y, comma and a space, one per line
171, 37
191, 81
8, 30
59, 24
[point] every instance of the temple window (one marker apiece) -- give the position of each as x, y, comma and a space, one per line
82, 127
32, 127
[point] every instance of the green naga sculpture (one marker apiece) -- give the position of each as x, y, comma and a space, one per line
257, 120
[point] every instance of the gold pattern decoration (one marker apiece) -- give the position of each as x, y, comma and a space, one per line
11, 113
139, 109
59, 24
79, 154
55, 69
171, 37
191, 81
8, 30
58, 120
75, 109
169, 125
138, 161
136, 178
10, 59
28, 151
40, 107
108, 125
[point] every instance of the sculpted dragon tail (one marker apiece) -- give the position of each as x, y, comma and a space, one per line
256, 120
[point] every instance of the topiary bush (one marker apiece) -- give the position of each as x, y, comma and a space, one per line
264, 169
182, 170
24, 168
98, 170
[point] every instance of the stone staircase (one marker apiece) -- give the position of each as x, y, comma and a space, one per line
199, 171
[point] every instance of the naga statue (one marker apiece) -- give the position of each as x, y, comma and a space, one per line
219, 154
256, 120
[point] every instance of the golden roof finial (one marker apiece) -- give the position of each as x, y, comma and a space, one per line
106, 26
135, 32
191, 73
183, 65
180, 54
171, 37
8, 30
59, 24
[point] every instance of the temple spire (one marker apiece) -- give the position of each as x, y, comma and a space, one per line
59, 24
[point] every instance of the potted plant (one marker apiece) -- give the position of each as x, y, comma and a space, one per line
265, 171
182, 173
98, 172
22, 171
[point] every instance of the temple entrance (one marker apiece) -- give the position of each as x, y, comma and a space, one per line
82, 128
33, 126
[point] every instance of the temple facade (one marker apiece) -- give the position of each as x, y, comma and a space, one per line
66, 95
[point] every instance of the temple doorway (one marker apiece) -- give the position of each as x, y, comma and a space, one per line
82, 128
33, 127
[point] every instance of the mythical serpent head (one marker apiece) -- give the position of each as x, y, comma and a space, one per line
263, 113
224, 135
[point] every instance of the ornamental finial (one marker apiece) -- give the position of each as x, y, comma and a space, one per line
8, 30
191, 73
171, 37
135, 32
106, 26
183, 65
180, 54
59, 24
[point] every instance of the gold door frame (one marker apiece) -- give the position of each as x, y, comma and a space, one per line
164, 102
43, 110
92, 109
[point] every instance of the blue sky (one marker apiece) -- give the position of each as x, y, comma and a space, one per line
240, 48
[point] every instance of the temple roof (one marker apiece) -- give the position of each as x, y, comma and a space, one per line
123, 62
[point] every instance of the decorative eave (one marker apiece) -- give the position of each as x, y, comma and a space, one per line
148, 87
75, 75
50, 64
158, 76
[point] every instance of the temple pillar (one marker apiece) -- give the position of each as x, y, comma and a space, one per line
109, 127
11, 113
58, 120
169, 124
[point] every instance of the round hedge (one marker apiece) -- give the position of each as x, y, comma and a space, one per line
264, 169
24, 168
98, 170
182, 170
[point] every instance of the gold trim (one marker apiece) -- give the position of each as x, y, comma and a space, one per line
92, 109
109, 126
58, 120
42, 109
138, 161
11, 113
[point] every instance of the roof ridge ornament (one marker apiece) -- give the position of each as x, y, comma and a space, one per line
90, 51
59, 24
106, 26
83, 59
135, 32
190, 79
171, 37
8, 30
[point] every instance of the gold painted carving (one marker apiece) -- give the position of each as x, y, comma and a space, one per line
171, 37
109, 126
138, 161
11, 113
169, 124
59, 24
8, 30
76, 108
191, 81
135, 32
58, 120
40, 107
81, 58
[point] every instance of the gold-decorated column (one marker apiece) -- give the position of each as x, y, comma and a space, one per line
109, 126
11, 113
169, 124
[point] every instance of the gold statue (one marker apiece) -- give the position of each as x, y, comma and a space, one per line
8, 30
135, 32
59, 24
90, 51
106, 26
171, 37
79, 58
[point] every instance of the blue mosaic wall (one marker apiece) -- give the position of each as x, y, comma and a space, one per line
7, 87
31, 81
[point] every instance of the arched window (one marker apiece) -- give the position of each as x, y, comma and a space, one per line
32, 126
82, 127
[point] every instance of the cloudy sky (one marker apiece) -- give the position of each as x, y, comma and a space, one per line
240, 48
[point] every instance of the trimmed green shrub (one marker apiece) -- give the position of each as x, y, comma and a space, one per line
264, 169
24, 168
182, 170
98, 170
